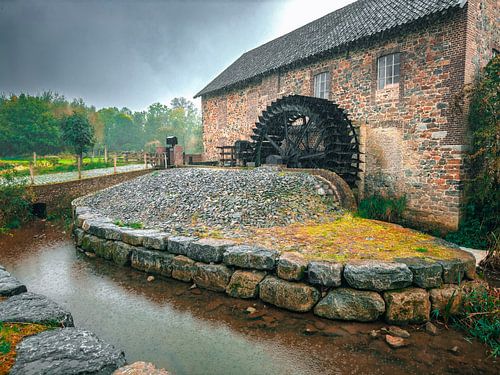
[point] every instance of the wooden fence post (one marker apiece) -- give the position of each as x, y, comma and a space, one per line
114, 164
105, 153
32, 174
79, 167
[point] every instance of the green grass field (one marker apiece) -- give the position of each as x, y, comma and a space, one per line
54, 164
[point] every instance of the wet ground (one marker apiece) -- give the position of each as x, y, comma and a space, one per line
192, 331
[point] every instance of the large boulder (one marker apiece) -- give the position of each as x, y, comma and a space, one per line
245, 256
9, 285
409, 305
291, 266
152, 261
245, 284
67, 351
183, 268
351, 304
212, 276
34, 308
288, 295
426, 274
377, 275
208, 250
324, 273
446, 300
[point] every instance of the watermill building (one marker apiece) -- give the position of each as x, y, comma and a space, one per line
397, 67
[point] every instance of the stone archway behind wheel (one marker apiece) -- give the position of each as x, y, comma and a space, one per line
307, 132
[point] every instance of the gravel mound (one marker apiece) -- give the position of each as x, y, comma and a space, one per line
180, 200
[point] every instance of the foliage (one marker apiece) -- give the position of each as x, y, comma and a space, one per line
481, 225
382, 208
481, 316
10, 335
77, 132
14, 201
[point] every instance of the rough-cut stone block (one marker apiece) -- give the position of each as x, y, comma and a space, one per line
245, 284
152, 261
180, 244
81, 218
325, 273
291, 266
87, 242
446, 300
351, 304
469, 262
377, 275
9, 285
135, 237
157, 241
121, 253
102, 248
183, 268
208, 250
453, 271
288, 295
212, 276
34, 308
409, 305
251, 257
66, 351
426, 274
78, 234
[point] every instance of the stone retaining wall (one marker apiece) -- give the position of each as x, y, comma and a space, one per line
400, 292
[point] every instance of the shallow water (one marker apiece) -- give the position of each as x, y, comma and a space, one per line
199, 332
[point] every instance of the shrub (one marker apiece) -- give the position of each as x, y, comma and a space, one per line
14, 201
480, 317
382, 208
481, 224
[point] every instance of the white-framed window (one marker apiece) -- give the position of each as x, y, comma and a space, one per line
321, 85
388, 70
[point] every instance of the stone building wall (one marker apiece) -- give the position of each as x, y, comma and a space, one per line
413, 139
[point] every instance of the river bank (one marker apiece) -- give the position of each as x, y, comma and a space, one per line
195, 331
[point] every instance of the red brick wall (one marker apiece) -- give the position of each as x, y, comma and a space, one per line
413, 139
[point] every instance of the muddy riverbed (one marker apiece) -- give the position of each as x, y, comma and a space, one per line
193, 331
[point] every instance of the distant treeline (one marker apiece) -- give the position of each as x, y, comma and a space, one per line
32, 124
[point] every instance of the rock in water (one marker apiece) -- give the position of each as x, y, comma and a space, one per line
140, 368
9, 285
66, 351
34, 308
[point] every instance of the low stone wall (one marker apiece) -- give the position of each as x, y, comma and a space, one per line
400, 292
59, 195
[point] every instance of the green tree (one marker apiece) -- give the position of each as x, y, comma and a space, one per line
77, 132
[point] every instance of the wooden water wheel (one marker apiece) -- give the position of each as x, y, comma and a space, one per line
306, 132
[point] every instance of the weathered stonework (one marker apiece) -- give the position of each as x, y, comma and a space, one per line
446, 300
291, 266
414, 141
245, 284
409, 305
292, 296
325, 273
212, 276
183, 268
151, 261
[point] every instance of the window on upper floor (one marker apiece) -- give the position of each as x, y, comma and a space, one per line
322, 85
388, 70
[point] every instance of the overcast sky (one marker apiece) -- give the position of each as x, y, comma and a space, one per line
127, 53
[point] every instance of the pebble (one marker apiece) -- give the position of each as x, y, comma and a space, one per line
395, 342
398, 332
251, 310
431, 328
150, 279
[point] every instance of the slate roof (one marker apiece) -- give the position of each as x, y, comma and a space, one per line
361, 19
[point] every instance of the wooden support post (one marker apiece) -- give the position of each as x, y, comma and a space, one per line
165, 156
32, 174
105, 154
79, 167
114, 164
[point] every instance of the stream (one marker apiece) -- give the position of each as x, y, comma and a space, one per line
193, 331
